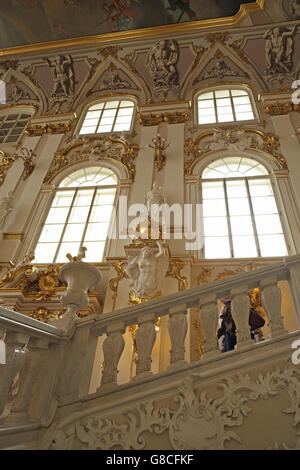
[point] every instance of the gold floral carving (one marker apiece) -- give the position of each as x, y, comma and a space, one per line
114, 282
127, 155
5, 164
278, 109
204, 276
151, 119
176, 117
35, 130
200, 336
175, 268
134, 300
270, 144
44, 315
213, 38
109, 51
48, 281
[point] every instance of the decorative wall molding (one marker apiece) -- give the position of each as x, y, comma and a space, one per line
193, 419
234, 138
37, 130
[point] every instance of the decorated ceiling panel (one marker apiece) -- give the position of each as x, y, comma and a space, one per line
24, 22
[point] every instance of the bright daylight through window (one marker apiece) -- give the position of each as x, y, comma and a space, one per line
80, 215
224, 106
241, 218
108, 116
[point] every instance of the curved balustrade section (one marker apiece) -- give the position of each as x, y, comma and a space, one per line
46, 367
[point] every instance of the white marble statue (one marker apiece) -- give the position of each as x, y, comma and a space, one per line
147, 271
155, 196
5, 208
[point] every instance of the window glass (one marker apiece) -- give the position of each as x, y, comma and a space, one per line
240, 215
80, 214
108, 116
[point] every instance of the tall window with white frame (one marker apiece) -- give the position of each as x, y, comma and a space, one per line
225, 105
240, 214
108, 116
80, 214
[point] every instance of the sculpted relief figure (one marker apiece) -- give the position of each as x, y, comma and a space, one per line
162, 60
147, 271
62, 70
5, 208
295, 9
279, 49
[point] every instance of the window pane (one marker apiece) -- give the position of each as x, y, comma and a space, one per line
101, 213
242, 100
105, 196
206, 96
221, 93
244, 247
96, 232
217, 247
266, 224
65, 248
241, 225
213, 190
126, 104
260, 188
51, 233
214, 207
84, 198
73, 233
238, 92
264, 205
239, 206
272, 245
214, 226
96, 106
207, 120
79, 214
45, 252
236, 189
111, 104
94, 251
57, 215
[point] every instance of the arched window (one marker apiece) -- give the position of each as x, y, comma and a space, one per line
240, 214
108, 116
225, 105
79, 215
12, 125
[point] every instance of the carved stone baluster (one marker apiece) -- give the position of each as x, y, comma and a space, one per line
209, 321
177, 326
15, 356
271, 302
112, 349
28, 377
240, 309
145, 338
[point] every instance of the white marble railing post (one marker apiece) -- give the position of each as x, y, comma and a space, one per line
209, 321
271, 302
240, 309
28, 377
145, 338
177, 327
15, 357
112, 349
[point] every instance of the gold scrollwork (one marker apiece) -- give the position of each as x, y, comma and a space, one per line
278, 109
36, 130
5, 164
147, 120
62, 158
114, 282
44, 315
200, 336
175, 268
176, 117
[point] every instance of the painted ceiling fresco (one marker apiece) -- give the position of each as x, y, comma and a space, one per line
25, 22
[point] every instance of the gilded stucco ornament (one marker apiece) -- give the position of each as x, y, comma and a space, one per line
93, 149
232, 138
192, 418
